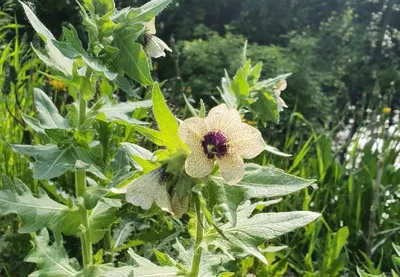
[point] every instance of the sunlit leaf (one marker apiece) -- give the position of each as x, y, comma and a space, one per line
106, 270
122, 112
250, 232
258, 182
133, 60
146, 268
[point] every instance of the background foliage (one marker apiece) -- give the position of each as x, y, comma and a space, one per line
344, 56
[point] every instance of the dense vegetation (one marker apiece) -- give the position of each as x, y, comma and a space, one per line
341, 124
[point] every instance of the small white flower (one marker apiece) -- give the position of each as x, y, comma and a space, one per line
221, 137
278, 90
154, 47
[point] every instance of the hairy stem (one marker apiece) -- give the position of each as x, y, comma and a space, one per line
86, 243
108, 247
199, 238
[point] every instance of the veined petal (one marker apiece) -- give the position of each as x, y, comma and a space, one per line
232, 168
161, 44
198, 165
191, 132
155, 47
221, 118
246, 141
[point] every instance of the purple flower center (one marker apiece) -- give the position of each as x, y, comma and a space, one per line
214, 144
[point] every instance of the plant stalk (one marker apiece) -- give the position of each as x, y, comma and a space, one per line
108, 247
86, 242
198, 250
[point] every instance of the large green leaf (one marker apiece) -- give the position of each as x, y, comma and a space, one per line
167, 124
47, 112
106, 270
52, 260
52, 161
146, 268
258, 182
250, 232
68, 50
266, 108
210, 263
133, 60
122, 112
37, 212
101, 217
148, 11
54, 58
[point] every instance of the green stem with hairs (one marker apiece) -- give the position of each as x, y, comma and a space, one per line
198, 250
86, 242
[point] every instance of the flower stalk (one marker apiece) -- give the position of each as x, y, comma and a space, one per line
86, 243
198, 250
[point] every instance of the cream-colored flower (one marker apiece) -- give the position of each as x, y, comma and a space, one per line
278, 90
221, 137
154, 47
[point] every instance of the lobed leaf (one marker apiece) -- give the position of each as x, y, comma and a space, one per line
52, 260
37, 212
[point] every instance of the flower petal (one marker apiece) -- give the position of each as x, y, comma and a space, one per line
282, 85
280, 102
151, 26
198, 165
232, 168
191, 131
246, 141
221, 118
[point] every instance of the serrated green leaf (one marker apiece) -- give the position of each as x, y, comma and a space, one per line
37, 212
266, 108
133, 60
126, 86
271, 82
71, 35
52, 260
258, 182
362, 273
122, 112
146, 268
122, 233
100, 219
69, 51
239, 85
210, 263
92, 195
119, 168
48, 114
254, 74
106, 270
103, 7
52, 161
80, 165
135, 150
55, 58
250, 232
148, 11
166, 121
